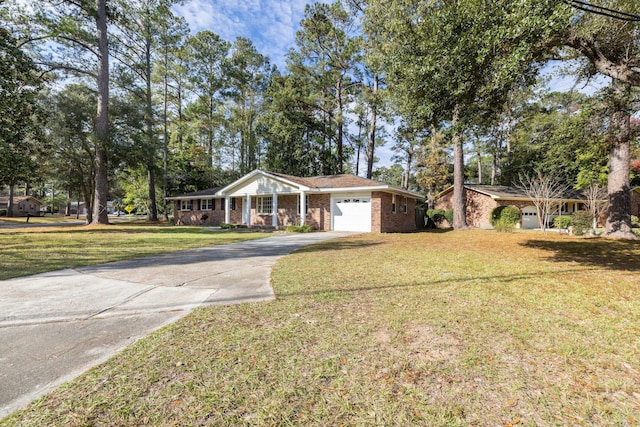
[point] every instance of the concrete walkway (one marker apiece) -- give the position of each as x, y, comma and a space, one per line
54, 326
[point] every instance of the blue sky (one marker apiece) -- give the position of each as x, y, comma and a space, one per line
270, 24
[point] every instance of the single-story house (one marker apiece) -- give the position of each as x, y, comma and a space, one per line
635, 201
481, 199
22, 205
335, 202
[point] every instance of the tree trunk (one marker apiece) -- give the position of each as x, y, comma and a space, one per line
102, 120
10, 203
153, 208
165, 139
618, 223
151, 150
459, 210
340, 124
67, 208
407, 170
371, 144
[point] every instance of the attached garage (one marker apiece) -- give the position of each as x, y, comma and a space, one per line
530, 218
331, 202
351, 213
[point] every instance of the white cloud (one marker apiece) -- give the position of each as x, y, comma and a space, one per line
270, 24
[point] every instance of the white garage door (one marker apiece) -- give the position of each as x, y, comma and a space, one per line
530, 218
351, 213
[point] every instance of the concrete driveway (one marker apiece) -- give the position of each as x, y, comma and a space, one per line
54, 326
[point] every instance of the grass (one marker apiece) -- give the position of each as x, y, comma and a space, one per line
440, 328
27, 251
45, 219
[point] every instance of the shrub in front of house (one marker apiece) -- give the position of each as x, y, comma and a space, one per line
299, 228
226, 226
436, 215
504, 218
635, 222
448, 214
581, 222
3, 212
562, 221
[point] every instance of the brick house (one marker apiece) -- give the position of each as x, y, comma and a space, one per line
481, 199
336, 202
22, 205
635, 201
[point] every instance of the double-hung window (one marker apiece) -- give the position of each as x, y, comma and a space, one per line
207, 204
265, 205
186, 205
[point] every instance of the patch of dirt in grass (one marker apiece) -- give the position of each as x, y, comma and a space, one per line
426, 343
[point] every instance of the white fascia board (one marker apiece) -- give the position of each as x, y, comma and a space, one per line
223, 191
368, 189
238, 181
210, 196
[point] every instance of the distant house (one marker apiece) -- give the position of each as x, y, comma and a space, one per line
74, 208
635, 201
22, 205
481, 199
336, 202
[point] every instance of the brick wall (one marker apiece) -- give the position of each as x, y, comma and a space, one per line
319, 213
288, 210
384, 220
214, 217
635, 202
478, 206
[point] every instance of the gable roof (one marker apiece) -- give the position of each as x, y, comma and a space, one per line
211, 192
4, 200
332, 181
316, 184
503, 192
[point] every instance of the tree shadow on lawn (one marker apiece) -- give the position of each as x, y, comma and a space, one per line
338, 244
450, 280
618, 255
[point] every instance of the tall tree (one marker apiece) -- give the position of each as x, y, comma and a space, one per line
452, 61
19, 125
70, 126
208, 54
138, 48
605, 37
169, 73
71, 36
247, 73
329, 51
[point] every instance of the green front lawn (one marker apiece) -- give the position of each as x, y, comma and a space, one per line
36, 250
426, 329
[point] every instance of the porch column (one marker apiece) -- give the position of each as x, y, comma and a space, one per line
303, 208
274, 209
248, 210
227, 210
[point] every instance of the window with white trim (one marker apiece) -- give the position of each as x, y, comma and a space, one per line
207, 204
306, 204
264, 205
233, 203
186, 205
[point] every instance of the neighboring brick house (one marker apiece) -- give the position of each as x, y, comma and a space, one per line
481, 199
22, 205
635, 201
336, 202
